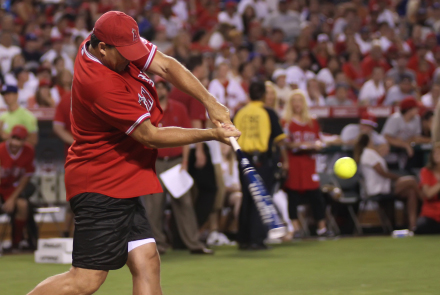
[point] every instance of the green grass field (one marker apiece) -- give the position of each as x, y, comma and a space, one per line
375, 265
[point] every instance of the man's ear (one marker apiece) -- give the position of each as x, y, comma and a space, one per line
102, 48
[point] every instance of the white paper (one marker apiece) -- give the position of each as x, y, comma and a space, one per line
177, 182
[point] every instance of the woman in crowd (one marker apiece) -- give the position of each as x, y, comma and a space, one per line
302, 183
63, 85
382, 184
43, 97
271, 96
429, 220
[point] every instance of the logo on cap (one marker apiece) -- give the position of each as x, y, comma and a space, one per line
135, 35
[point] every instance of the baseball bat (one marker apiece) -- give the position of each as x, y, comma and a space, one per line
263, 200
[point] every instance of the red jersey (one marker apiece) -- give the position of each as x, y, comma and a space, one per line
302, 174
62, 116
174, 115
196, 110
431, 207
14, 167
106, 107
368, 64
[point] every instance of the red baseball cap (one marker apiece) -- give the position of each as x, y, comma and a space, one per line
369, 119
408, 103
120, 30
19, 131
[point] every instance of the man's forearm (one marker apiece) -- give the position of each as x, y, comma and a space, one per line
21, 186
165, 137
397, 142
199, 125
63, 134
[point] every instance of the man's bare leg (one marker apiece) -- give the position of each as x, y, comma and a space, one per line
144, 265
77, 281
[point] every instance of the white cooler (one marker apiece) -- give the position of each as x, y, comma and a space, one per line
57, 250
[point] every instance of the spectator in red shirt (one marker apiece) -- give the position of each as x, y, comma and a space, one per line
17, 166
175, 114
354, 71
413, 63
276, 44
429, 220
424, 76
208, 17
375, 59
302, 184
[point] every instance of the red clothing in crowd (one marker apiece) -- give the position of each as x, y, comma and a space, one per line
431, 207
62, 116
174, 115
279, 49
413, 64
194, 108
14, 167
368, 64
355, 75
302, 173
106, 108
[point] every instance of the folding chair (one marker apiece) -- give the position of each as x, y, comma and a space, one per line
349, 195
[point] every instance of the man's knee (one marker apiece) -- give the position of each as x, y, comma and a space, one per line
142, 258
22, 206
86, 281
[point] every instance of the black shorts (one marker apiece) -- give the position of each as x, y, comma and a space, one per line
103, 228
312, 197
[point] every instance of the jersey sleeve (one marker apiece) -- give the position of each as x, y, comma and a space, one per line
144, 63
122, 109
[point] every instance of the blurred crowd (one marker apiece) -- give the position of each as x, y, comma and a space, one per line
308, 52
338, 52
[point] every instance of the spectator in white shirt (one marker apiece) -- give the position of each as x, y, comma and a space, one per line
26, 86
373, 90
282, 89
367, 125
169, 21
7, 51
56, 50
227, 91
80, 28
314, 96
261, 7
231, 16
430, 99
297, 76
327, 75
385, 15
363, 39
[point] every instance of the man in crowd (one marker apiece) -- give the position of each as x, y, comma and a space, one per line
200, 165
374, 89
62, 128
16, 115
403, 129
7, 51
175, 114
367, 125
398, 92
401, 69
227, 91
261, 129
17, 167
341, 96
297, 76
